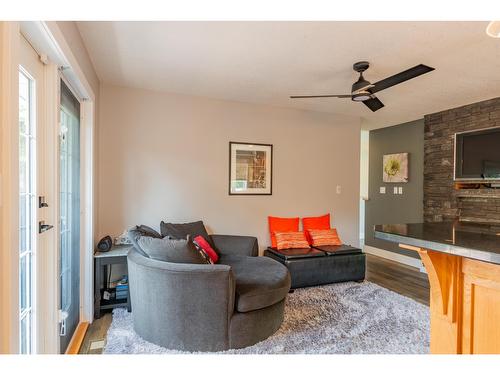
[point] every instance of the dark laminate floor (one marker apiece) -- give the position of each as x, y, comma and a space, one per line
397, 277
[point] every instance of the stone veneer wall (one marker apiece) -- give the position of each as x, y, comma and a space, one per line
441, 200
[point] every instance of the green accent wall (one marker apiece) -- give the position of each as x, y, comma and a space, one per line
390, 208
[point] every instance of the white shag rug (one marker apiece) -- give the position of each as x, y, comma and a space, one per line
345, 318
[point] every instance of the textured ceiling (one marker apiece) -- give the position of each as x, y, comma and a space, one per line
265, 62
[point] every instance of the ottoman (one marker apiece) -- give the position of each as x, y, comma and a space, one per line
321, 265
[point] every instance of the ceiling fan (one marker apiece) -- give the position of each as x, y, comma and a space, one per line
364, 91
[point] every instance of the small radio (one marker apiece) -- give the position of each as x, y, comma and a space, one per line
105, 244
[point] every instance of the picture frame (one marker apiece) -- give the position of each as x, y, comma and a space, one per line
250, 168
395, 168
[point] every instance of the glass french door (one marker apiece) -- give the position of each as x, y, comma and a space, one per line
38, 180
27, 212
30, 75
69, 209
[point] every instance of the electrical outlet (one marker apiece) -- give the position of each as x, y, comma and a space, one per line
382, 190
339, 189
395, 190
400, 190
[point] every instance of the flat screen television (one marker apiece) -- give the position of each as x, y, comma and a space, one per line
477, 155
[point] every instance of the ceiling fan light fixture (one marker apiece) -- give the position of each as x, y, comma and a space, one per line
361, 96
493, 29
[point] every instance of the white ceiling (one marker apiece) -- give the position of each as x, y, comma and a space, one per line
266, 62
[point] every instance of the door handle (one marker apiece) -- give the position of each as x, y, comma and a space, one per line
41, 202
42, 227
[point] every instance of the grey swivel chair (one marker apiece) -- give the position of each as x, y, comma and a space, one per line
203, 307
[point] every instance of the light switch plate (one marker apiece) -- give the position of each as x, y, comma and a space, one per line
382, 190
339, 189
400, 190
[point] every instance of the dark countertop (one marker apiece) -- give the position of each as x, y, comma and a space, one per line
471, 240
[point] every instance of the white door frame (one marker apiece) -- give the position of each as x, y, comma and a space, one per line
9, 187
49, 42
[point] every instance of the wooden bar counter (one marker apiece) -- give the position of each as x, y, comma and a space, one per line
463, 264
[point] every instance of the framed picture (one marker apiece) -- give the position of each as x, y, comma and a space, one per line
395, 167
250, 169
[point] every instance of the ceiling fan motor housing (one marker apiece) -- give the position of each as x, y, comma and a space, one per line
359, 85
361, 66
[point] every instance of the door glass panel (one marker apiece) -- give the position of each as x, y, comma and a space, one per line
25, 333
27, 217
24, 282
69, 206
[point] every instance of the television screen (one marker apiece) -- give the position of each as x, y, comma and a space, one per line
477, 154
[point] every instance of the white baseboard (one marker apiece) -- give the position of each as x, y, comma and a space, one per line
409, 261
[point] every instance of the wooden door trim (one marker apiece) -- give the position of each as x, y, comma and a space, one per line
77, 339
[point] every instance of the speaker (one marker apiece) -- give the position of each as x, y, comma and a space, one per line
105, 244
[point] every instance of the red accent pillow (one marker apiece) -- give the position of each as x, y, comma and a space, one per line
315, 222
282, 224
322, 237
291, 240
205, 246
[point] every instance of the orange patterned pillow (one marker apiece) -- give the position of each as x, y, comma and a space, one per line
291, 240
322, 237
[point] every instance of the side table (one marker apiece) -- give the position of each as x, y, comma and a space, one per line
117, 255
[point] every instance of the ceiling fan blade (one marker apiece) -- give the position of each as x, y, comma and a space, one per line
400, 77
374, 104
319, 96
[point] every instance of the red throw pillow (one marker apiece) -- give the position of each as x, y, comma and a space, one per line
322, 237
282, 224
205, 246
315, 222
291, 240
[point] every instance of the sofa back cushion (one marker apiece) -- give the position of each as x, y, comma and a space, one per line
181, 231
138, 231
148, 231
171, 250
291, 240
281, 224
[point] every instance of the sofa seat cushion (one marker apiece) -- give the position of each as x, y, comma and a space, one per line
260, 281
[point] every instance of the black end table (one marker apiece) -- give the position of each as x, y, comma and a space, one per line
117, 255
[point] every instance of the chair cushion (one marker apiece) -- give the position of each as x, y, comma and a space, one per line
316, 222
170, 250
324, 237
282, 224
139, 231
182, 230
204, 246
291, 240
260, 281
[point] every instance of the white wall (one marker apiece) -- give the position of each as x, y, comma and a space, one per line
165, 157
